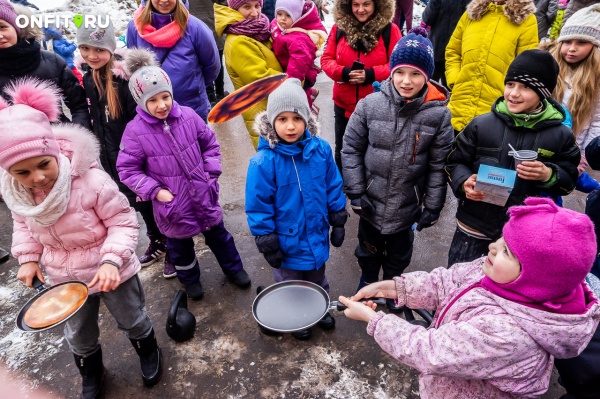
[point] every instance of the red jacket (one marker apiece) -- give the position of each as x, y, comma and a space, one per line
337, 61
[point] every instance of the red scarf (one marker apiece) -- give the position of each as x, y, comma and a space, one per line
164, 37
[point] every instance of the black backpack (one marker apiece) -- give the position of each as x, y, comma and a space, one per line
386, 32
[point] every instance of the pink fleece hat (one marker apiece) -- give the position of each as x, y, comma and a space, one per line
556, 248
8, 13
292, 7
236, 4
25, 130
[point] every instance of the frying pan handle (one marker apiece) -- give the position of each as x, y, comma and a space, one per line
37, 284
340, 306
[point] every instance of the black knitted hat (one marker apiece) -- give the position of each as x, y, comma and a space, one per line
536, 69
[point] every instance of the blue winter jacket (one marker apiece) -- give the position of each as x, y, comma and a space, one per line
192, 63
290, 190
61, 46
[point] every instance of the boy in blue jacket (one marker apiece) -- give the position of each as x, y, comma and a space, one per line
294, 193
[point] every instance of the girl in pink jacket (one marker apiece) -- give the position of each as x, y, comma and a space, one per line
71, 221
500, 320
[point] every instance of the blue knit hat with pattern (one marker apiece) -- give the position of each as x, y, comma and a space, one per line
414, 50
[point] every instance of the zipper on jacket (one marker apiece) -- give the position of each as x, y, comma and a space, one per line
166, 126
415, 149
106, 112
297, 175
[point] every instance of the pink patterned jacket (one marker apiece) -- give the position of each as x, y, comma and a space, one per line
479, 345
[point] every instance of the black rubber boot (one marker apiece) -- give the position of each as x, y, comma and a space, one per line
92, 374
150, 358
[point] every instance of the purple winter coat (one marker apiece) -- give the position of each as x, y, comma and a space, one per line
192, 63
180, 154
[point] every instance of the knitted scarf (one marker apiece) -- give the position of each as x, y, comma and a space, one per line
20, 59
257, 29
165, 37
19, 199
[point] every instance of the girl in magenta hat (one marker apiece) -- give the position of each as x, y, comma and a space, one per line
500, 320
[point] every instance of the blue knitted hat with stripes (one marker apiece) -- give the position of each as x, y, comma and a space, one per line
414, 50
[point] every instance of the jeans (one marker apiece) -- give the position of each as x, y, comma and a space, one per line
465, 248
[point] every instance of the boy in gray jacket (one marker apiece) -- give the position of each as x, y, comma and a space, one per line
395, 146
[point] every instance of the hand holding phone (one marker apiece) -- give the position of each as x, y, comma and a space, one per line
357, 65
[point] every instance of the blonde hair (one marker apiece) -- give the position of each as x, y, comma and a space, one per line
180, 15
585, 82
105, 75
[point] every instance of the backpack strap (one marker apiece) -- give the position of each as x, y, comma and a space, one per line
386, 34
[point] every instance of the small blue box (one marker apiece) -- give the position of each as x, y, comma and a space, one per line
496, 183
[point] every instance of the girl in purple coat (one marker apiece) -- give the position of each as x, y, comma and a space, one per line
500, 320
298, 34
171, 157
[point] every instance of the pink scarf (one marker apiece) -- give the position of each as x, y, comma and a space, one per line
257, 29
164, 37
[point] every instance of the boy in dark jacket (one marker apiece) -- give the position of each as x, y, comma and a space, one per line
393, 157
528, 119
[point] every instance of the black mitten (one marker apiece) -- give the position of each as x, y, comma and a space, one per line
268, 245
362, 206
274, 258
428, 218
337, 236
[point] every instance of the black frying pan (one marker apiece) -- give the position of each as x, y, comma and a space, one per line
41, 290
293, 305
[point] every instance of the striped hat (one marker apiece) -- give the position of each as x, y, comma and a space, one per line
536, 69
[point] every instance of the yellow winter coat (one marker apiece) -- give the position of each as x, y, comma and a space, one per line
486, 40
246, 60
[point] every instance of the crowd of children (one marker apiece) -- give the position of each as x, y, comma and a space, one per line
73, 193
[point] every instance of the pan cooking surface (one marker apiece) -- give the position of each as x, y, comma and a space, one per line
291, 308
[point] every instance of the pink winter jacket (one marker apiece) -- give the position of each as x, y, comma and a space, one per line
484, 346
98, 224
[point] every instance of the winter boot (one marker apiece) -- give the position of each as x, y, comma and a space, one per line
155, 251
150, 358
169, 270
92, 374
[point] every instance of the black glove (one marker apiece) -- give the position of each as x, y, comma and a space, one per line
268, 245
362, 206
337, 236
337, 220
428, 218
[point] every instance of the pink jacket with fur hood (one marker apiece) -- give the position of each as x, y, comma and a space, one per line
98, 224
479, 345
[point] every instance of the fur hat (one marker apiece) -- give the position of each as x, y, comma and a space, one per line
8, 13
289, 97
536, 69
583, 25
556, 248
25, 126
147, 79
98, 37
292, 7
413, 50
236, 4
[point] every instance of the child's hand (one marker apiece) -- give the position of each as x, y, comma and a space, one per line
108, 276
362, 311
380, 289
164, 196
469, 187
534, 170
27, 271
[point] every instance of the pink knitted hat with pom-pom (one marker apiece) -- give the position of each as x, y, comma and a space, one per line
25, 130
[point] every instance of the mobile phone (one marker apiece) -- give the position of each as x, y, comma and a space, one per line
356, 65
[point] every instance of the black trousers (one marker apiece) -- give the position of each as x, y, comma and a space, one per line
145, 209
340, 122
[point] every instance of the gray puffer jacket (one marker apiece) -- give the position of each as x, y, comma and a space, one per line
394, 152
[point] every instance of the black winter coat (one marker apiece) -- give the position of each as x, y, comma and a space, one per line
443, 16
485, 141
53, 68
109, 131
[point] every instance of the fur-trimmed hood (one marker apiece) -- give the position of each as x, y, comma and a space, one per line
516, 11
267, 131
118, 68
79, 145
363, 36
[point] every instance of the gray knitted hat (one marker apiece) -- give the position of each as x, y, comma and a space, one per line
583, 25
98, 37
289, 97
147, 79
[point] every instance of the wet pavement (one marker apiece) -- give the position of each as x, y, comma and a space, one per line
229, 357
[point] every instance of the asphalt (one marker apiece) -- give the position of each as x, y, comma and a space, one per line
228, 356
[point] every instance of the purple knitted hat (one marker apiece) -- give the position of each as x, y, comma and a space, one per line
292, 7
8, 13
236, 4
556, 248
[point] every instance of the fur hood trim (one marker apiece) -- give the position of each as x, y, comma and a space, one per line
27, 32
363, 36
516, 11
79, 145
267, 131
118, 69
